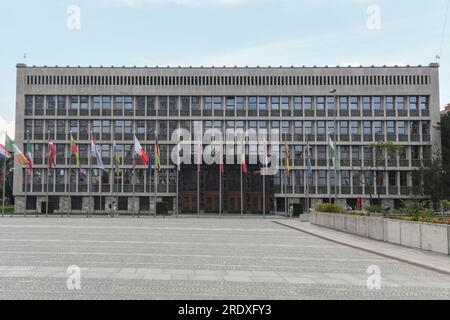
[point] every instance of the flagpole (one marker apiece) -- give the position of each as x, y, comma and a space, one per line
26, 182
242, 194
177, 198
133, 177
48, 173
220, 181
149, 176
333, 91
69, 177
4, 185
155, 174
199, 161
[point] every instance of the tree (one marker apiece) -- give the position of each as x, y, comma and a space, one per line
431, 179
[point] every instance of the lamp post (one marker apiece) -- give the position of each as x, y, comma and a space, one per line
333, 92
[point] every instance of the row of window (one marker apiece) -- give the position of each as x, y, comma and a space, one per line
289, 130
197, 106
356, 156
166, 182
228, 80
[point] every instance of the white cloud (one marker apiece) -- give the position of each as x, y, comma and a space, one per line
9, 127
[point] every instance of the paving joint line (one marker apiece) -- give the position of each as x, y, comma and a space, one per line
385, 255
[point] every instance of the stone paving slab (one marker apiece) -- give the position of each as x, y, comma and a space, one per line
210, 258
431, 260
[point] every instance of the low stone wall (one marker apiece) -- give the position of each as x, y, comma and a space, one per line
425, 236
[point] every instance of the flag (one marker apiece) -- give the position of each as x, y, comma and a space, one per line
13, 149
332, 150
222, 162
51, 155
95, 152
308, 159
74, 150
140, 152
199, 154
243, 161
157, 155
3, 153
29, 159
29, 156
286, 155
116, 158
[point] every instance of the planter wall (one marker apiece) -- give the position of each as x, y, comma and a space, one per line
425, 236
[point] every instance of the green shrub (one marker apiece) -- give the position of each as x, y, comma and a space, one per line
446, 205
414, 208
329, 207
374, 209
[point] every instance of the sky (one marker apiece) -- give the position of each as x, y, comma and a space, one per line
219, 32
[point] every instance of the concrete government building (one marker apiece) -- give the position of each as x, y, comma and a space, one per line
370, 104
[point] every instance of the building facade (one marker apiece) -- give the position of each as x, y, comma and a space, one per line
369, 105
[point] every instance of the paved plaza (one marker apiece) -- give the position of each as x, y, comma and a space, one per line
195, 258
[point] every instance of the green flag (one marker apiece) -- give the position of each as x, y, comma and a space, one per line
332, 150
9, 144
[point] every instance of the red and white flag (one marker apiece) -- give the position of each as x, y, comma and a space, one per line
140, 152
52, 155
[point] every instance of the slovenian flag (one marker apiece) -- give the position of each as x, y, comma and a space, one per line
140, 152
74, 150
13, 149
157, 155
243, 161
96, 153
52, 155
3, 153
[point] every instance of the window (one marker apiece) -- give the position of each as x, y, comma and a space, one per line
74, 103
401, 127
308, 127
330, 125
322, 176
377, 103
343, 103
344, 127
354, 127
252, 102
320, 103
106, 104
284, 103
401, 103
230, 103
367, 104
378, 128
353, 103
217, 103
392, 177
129, 104
84, 103
275, 103
390, 103
298, 104
390, 125
413, 104
321, 127
240, 103
298, 127
262, 104
424, 103
367, 127
208, 104
308, 103
97, 102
